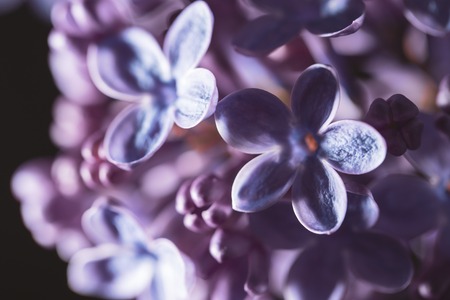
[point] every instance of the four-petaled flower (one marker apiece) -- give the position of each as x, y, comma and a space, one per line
301, 150
165, 87
286, 18
124, 264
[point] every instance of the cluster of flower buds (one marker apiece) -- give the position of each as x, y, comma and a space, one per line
251, 154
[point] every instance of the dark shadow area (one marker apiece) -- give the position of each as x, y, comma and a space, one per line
27, 93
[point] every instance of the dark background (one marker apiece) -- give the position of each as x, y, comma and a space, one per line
27, 93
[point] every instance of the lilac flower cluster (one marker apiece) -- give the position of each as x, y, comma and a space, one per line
252, 154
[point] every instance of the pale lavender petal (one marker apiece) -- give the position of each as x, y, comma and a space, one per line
109, 271
188, 38
380, 260
197, 97
338, 18
315, 97
137, 133
253, 121
318, 273
107, 222
319, 197
353, 147
265, 34
409, 205
126, 65
262, 182
170, 280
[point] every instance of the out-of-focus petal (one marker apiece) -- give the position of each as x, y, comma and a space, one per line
107, 222
71, 77
253, 120
128, 64
430, 16
318, 273
197, 97
338, 18
261, 182
278, 227
433, 157
188, 38
381, 261
443, 96
265, 34
362, 210
408, 205
109, 271
353, 147
319, 197
86, 18
315, 97
170, 279
136, 133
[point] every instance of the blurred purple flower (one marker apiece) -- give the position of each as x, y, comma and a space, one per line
124, 263
430, 16
164, 87
323, 267
396, 120
300, 149
53, 199
286, 18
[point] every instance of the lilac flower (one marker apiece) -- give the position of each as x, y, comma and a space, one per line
125, 264
430, 16
322, 269
396, 120
286, 18
301, 150
164, 87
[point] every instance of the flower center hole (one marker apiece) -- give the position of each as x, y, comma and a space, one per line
311, 142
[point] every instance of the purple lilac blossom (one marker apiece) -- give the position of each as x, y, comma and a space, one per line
164, 86
301, 150
175, 225
125, 263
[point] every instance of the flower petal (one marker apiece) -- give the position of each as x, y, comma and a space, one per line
128, 64
429, 16
261, 182
253, 120
353, 147
318, 273
338, 18
107, 222
381, 261
408, 205
278, 227
136, 134
197, 97
170, 272
362, 210
432, 157
265, 34
315, 97
188, 38
319, 197
109, 271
